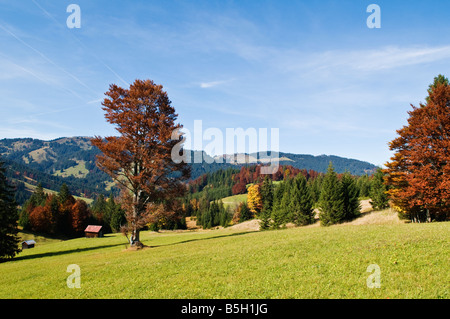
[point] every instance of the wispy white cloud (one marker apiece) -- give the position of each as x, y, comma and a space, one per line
206, 85
95, 101
380, 59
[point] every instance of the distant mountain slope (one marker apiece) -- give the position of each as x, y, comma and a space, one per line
320, 163
52, 163
71, 160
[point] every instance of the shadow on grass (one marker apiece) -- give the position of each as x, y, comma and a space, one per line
199, 239
77, 250
64, 252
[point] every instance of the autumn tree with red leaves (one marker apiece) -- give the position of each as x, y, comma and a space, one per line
79, 216
140, 159
418, 175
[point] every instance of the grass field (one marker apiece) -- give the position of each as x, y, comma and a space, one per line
234, 201
308, 262
78, 170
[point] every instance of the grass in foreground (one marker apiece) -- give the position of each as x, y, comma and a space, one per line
307, 262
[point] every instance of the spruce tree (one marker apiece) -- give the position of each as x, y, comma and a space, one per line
98, 208
300, 207
363, 184
117, 218
378, 193
9, 238
267, 194
245, 213
224, 214
64, 194
38, 198
315, 186
350, 198
281, 211
330, 202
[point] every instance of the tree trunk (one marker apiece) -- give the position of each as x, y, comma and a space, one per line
135, 239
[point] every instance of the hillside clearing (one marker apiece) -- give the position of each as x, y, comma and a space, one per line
233, 201
78, 171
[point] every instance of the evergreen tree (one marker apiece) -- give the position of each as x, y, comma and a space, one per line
363, 184
378, 193
315, 186
331, 202
245, 213
65, 195
56, 218
300, 207
98, 208
267, 195
225, 216
109, 212
350, 198
38, 198
206, 219
118, 219
281, 210
9, 238
215, 214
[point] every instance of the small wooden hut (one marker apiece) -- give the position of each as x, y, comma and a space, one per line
28, 244
93, 231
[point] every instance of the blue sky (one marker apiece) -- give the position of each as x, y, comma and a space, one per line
313, 69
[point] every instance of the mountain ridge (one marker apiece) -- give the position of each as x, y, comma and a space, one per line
71, 160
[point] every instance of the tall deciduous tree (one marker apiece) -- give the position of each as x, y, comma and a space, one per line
419, 171
254, 199
140, 158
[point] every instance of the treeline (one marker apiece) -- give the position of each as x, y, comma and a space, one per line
252, 174
62, 215
217, 184
287, 196
293, 200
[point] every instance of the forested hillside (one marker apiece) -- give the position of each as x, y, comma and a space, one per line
71, 160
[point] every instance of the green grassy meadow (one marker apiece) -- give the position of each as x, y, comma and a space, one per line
305, 262
234, 201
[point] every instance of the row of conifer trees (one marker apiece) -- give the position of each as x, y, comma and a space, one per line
294, 199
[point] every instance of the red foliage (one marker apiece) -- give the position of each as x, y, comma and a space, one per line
79, 216
40, 219
419, 171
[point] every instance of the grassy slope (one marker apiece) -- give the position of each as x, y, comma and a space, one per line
304, 262
234, 201
32, 188
78, 170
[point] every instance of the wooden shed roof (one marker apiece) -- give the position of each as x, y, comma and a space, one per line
93, 229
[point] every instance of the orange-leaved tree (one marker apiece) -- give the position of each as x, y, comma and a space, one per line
418, 175
139, 160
